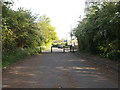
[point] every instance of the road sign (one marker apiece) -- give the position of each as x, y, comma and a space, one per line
65, 40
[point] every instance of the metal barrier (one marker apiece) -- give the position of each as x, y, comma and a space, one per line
71, 49
59, 50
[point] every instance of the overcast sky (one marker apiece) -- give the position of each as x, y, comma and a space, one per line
64, 14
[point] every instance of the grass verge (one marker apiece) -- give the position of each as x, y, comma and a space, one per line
11, 56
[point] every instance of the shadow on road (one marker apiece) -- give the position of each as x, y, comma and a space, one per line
55, 70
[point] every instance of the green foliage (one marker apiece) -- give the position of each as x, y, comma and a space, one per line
46, 30
99, 31
21, 33
13, 56
59, 42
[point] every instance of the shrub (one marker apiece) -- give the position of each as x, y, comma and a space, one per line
11, 56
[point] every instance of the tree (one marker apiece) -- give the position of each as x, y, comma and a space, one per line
99, 30
48, 32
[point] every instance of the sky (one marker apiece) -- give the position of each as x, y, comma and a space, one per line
64, 14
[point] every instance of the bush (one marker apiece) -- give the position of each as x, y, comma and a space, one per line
114, 56
11, 56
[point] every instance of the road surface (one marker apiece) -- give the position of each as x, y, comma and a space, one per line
54, 70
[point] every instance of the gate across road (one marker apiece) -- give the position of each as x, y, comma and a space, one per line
61, 49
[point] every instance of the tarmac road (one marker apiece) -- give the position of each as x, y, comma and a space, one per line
54, 70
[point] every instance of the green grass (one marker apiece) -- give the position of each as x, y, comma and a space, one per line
11, 56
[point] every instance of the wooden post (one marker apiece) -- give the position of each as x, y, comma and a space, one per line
63, 49
70, 47
51, 49
40, 49
73, 49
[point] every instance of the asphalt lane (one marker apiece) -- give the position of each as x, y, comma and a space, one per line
54, 70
